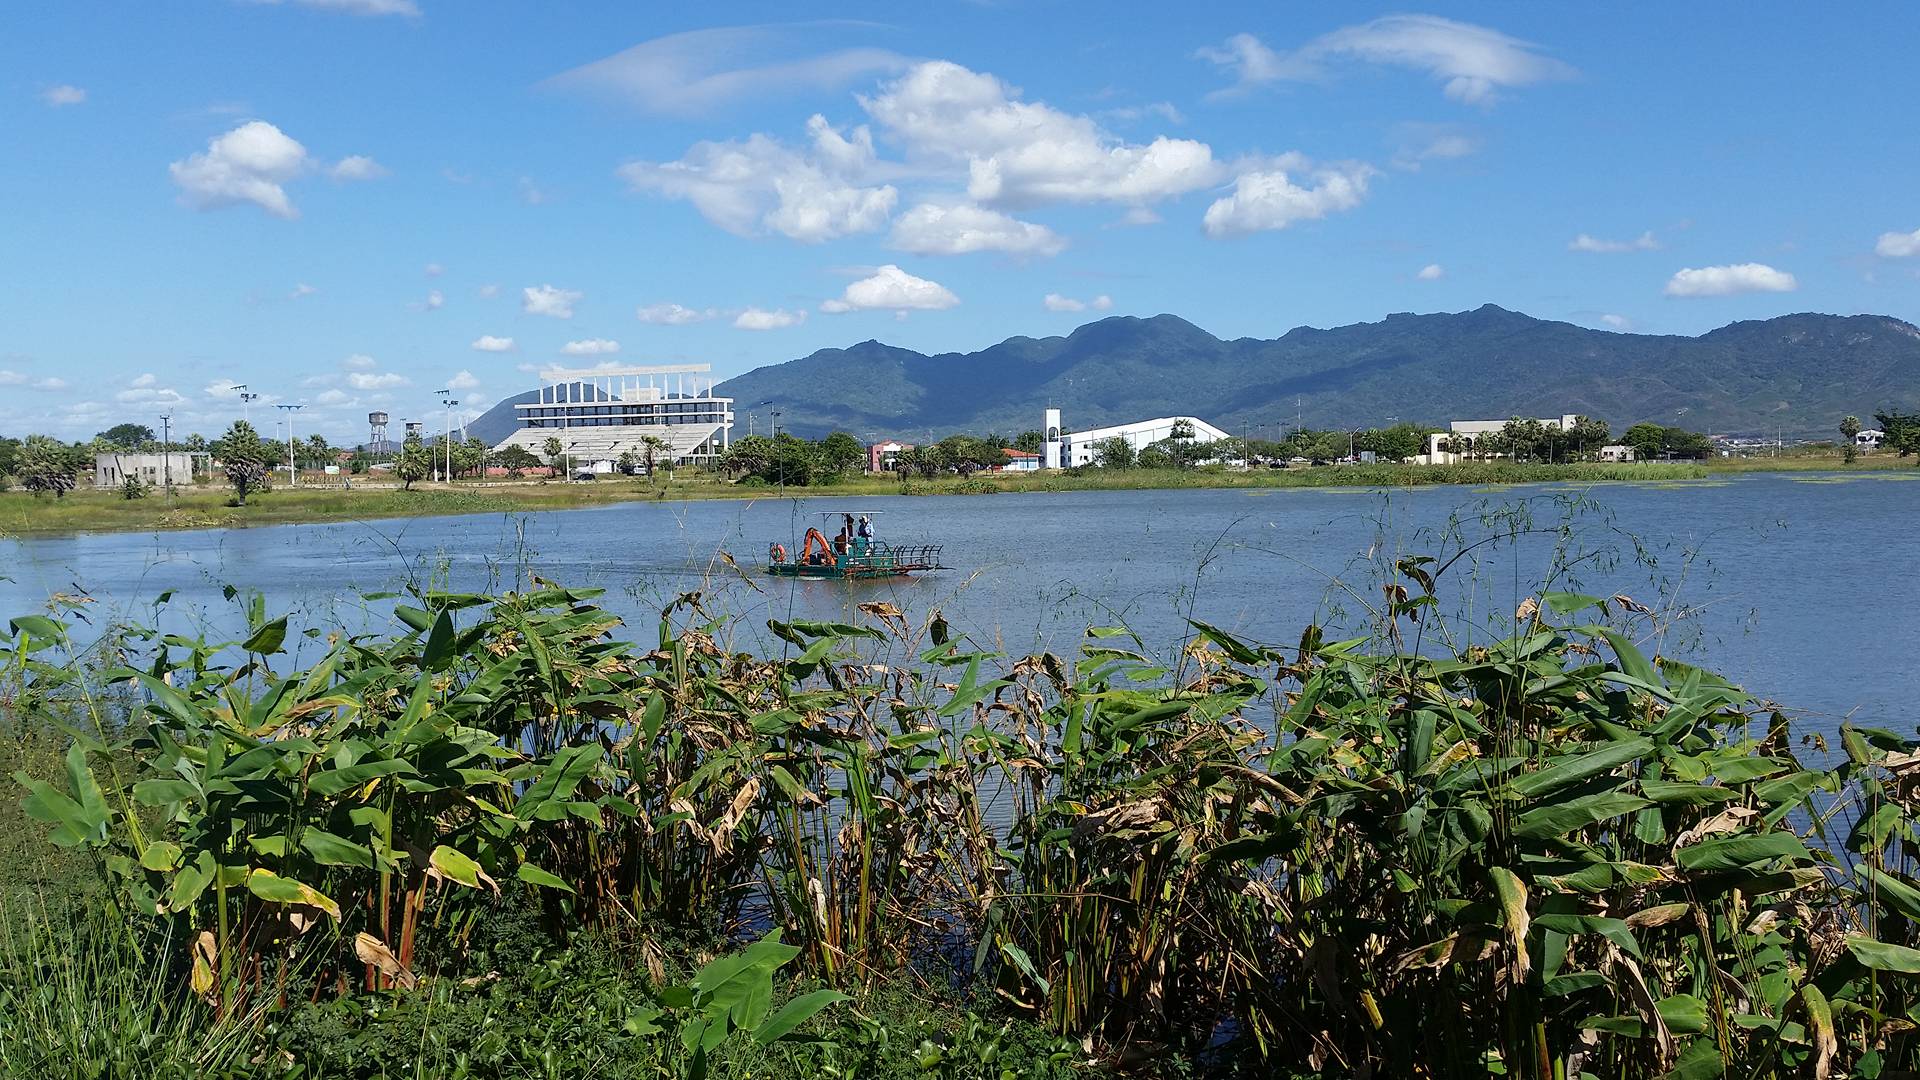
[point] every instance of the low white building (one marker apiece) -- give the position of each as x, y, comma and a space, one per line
1083, 447
110, 470
1465, 433
1616, 452
1871, 438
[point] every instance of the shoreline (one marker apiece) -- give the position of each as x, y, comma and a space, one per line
26, 516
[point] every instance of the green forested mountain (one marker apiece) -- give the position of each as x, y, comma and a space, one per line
1800, 373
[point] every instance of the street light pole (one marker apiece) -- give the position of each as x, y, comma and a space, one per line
246, 401
293, 473
166, 452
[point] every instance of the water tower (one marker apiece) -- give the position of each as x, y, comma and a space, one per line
378, 422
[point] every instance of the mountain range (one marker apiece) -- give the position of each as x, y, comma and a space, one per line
1795, 374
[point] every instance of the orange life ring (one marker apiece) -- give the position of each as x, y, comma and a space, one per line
778, 552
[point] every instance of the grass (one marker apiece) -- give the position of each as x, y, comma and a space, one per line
87, 510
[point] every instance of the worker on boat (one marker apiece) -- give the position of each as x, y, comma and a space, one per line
864, 539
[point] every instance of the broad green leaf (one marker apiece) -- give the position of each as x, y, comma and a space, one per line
1023, 963
1881, 956
457, 866
1741, 852
1632, 661
161, 855
267, 640
1892, 890
1699, 1061
533, 875
1567, 771
330, 850
794, 1013
1560, 819
161, 792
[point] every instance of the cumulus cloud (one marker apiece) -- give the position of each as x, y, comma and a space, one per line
434, 270
1617, 322
1023, 153
332, 397
246, 165
58, 96
674, 314
463, 380
489, 343
1644, 242
1056, 302
957, 229
1431, 272
488, 292
301, 290
143, 389
760, 184
1473, 63
434, 302
757, 319
356, 7
1269, 198
1730, 280
359, 362
1898, 245
48, 385
684, 74
892, 289
591, 347
549, 301
376, 380
146, 379
11, 378
357, 167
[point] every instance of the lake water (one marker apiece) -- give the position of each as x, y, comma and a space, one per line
1800, 587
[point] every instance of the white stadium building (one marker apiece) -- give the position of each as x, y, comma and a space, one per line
1064, 450
600, 413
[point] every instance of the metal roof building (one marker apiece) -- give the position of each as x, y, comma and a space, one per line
600, 413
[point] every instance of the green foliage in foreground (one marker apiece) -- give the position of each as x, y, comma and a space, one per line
1546, 855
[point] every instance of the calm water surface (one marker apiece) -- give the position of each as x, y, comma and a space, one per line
1799, 587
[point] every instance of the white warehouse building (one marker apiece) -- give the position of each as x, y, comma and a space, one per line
598, 414
1083, 447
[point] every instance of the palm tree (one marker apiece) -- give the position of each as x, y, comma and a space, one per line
651, 445
1849, 447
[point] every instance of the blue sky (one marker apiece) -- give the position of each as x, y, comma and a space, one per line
353, 203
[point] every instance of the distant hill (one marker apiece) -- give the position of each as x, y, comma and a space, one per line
1797, 373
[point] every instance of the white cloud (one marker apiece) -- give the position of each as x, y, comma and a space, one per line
301, 290
1617, 322
463, 380
147, 395
49, 384
1420, 143
488, 292
591, 347
435, 270
377, 380
359, 362
960, 228
1019, 153
1473, 62
1730, 280
757, 319
246, 165
549, 301
892, 289
11, 378
682, 74
489, 343
1897, 245
1056, 302
674, 314
356, 7
332, 397
57, 96
434, 302
1644, 242
1269, 198
143, 380
357, 167
759, 184
1165, 110
1431, 272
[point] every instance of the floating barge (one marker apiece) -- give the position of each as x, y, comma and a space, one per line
851, 557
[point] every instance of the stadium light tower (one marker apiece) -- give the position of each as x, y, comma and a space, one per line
246, 400
447, 403
166, 452
293, 474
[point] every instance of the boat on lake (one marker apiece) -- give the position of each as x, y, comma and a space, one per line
853, 553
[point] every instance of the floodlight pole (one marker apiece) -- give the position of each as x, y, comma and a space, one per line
447, 403
293, 472
246, 401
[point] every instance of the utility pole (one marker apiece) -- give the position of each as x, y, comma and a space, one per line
293, 473
166, 452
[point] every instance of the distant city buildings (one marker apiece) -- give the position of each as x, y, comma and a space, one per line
600, 414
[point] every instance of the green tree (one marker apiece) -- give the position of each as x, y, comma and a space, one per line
1849, 448
127, 436
469, 457
244, 457
414, 463
46, 465
651, 446
134, 488
554, 450
1647, 440
1030, 441
1902, 431
748, 456
9, 456
1115, 453
1586, 437
840, 452
629, 462
518, 458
